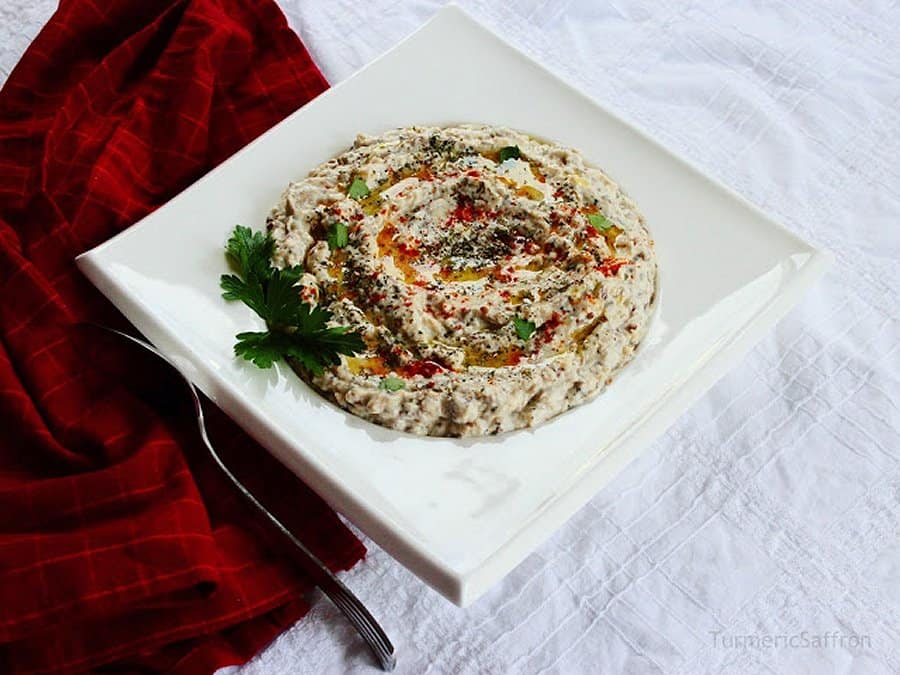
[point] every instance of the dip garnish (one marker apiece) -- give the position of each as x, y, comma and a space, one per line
509, 152
358, 189
524, 328
392, 384
297, 331
337, 236
598, 221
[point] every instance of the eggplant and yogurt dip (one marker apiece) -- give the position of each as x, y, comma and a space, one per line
497, 279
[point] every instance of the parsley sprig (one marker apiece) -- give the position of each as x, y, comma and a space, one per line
338, 236
598, 221
524, 328
510, 152
358, 189
296, 330
392, 384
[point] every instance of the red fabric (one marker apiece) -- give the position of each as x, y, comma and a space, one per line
120, 544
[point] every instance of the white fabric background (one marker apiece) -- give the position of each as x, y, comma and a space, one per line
772, 506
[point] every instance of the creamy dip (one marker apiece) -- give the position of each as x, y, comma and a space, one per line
497, 279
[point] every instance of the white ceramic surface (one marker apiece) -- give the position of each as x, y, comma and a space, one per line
460, 513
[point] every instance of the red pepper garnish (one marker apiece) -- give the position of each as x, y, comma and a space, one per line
611, 266
423, 368
407, 250
515, 355
546, 329
466, 212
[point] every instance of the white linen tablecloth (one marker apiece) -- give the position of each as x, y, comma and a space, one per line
760, 533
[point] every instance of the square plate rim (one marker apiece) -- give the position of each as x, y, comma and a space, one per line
460, 587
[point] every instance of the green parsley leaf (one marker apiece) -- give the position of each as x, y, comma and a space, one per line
263, 349
509, 152
392, 384
319, 349
251, 295
310, 319
598, 221
283, 297
338, 236
296, 330
358, 188
316, 346
250, 253
524, 328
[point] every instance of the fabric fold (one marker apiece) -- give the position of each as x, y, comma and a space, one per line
119, 541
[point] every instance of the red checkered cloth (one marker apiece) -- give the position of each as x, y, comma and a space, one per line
120, 545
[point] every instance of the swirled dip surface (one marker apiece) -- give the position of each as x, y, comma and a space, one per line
497, 279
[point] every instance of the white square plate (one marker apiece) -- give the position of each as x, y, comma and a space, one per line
460, 513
